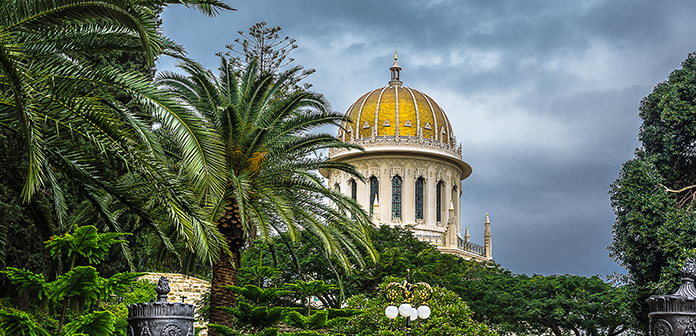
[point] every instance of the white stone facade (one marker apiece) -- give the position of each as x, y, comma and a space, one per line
384, 163
406, 137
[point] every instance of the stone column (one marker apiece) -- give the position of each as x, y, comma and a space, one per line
408, 197
385, 195
451, 234
430, 209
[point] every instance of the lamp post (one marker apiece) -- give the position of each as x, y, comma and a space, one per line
417, 293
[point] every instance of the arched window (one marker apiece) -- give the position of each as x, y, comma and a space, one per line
337, 187
419, 198
374, 192
353, 189
454, 198
438, 200
396, 197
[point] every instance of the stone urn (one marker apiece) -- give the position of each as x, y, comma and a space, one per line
675, 315
161, 318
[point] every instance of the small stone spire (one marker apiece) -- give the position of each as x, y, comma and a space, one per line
487, 241
467, 238
395, 69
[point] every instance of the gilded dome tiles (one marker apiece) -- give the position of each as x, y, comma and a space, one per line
397, 110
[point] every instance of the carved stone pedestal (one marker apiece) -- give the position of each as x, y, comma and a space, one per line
161, 318
675, 315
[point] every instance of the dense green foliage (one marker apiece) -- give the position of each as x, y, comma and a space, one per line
655, 226
261, 308
399, 252
508, 302
81, 287
75, 147
558, 304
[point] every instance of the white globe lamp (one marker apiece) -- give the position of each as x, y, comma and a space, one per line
424, 312
414, 314
405, 310
391, 312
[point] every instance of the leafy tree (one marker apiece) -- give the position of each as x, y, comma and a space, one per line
254, 319
264, 46
258, 275
318, 320
259, 296
306, 290
560, 304
250, 160
653, 197
138, 292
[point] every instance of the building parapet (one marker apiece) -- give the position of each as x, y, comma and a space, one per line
471, 247
410, 141
439, 240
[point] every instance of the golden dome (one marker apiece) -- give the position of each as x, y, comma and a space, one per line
396, 111
399, 120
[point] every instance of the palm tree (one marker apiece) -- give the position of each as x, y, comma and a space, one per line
254, 170
53, 108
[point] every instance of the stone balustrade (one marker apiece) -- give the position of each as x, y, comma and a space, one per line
411, 141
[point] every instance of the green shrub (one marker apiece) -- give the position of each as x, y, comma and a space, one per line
450, 316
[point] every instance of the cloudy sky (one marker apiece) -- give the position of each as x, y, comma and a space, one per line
543, 97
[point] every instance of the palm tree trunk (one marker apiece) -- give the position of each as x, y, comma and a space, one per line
224, 274
225, 270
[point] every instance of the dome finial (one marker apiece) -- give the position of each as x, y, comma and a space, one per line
395, 69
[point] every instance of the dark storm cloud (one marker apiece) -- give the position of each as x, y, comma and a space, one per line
543, 96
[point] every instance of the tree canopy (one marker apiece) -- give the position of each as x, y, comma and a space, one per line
653, 197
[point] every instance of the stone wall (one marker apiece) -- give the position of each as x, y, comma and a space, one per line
184, 288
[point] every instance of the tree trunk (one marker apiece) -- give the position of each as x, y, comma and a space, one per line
556, 329
613, 330
224, 274
225, 270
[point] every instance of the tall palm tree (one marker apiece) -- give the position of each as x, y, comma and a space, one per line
53, 107
255, 171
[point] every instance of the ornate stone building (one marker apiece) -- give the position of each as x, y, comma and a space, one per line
412, 163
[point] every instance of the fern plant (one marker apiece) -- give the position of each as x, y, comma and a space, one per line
81, 285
